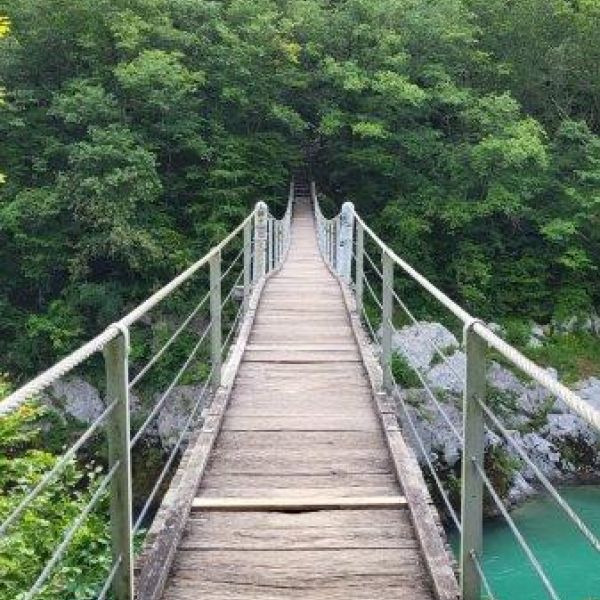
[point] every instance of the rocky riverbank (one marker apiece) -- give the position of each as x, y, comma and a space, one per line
560, 443
75, 403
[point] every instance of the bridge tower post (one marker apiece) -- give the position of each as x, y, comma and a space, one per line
346, 242
270, 238
359, 275
216, 331
247, 264
473, 454
386, 320
119, 458
260, 240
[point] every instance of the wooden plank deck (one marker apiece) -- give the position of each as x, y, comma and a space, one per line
302, 432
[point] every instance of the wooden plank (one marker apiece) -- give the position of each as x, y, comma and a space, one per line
296, 504
286, 355
338, 484
323, 529
310, 422
160, 544
301, 436
436, 553
366, 573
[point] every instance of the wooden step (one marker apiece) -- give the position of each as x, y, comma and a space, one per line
297, 504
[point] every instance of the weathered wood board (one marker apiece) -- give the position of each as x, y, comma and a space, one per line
302, 432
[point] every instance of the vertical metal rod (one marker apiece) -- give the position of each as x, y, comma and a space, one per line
216, 332
359, 281
118, 432
260, 240
247, 264
386, 320
473, 454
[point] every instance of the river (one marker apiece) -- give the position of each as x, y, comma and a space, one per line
572, 565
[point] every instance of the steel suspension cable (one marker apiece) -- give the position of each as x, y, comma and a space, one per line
173, 454
515, 530
62, 547
173, 383
59, 466
169, 342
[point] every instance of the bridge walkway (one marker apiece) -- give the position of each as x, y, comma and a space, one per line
300, 498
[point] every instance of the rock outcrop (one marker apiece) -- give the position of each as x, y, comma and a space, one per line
561, 444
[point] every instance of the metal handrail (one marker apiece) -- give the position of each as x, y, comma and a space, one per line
261, 253
477, 338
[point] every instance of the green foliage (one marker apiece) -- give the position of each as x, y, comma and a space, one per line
500, 467
137, 133
403, 373
574, 355
28, 546
518, 331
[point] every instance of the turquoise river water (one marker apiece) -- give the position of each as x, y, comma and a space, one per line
571, 564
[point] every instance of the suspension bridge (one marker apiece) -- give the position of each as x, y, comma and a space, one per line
291, 476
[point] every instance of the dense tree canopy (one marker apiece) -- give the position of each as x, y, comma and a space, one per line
135, 132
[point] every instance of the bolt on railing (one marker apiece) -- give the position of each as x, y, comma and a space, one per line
264, 246
477, 414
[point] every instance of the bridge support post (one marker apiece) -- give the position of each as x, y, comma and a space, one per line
260, 240
359, 277
346, 242
216, 332
279, 244
118, 432
473, 454
386, 320
247, 264
270, 238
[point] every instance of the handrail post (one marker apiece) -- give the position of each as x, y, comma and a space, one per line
386, 320
359, 281
346, 242
279, 246
473, 454
247, 263
118, 433
329, 245
270, 228
334, 243
216, 332
260, 240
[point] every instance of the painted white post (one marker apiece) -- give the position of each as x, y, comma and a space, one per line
346, 242
216, 333
118, 432
386, 320
359, 283
270, 237
280, 227
247, 264
473, 453
334, 243
260, 240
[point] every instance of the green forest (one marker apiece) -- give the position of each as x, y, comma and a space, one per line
136, 132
